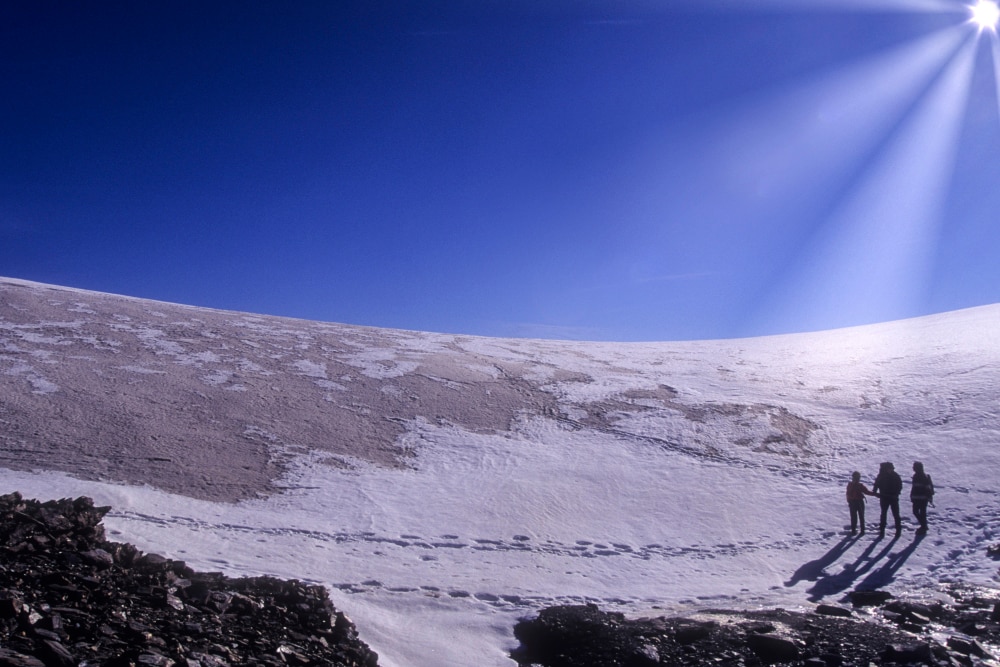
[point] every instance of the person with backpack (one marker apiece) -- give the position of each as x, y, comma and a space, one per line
921, 493
888, 485
856, 492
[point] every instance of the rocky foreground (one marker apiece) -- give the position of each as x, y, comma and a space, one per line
898, 634
69, 598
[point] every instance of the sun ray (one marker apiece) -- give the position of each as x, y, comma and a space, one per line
995, 44
793, 147
799, 142
871, 258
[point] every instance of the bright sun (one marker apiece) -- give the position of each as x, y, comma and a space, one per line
985, 14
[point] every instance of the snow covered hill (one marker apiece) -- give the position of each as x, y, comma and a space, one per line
443, 486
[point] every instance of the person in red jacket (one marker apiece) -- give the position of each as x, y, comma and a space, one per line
856, 492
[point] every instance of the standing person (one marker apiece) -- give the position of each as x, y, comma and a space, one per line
921, 493
856, 492
888, 485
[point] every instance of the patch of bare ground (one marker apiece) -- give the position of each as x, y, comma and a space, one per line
775, 429
211, 404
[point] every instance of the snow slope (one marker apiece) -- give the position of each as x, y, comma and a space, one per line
444, 486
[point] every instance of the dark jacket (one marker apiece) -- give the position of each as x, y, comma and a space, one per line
922, 487
888, 484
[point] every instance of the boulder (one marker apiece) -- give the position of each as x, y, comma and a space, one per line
771, 648
869, 598
909, 654
966, 646
832, 610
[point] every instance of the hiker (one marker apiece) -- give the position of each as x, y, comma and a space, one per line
856, 492
921, 493
888, 485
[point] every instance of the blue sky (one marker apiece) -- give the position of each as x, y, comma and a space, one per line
585, 169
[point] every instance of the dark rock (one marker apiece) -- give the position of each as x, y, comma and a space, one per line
690, 633
581, 630
915, 610
832, 610
10, 658
54, 654
152, 563
971, 628
869, 598
154, 660
966, 646
588, 637
831, 659
10, 605
758, 627
69, 597
908, 654
771, 649
894, 617
42, 633
98, 557
645, 655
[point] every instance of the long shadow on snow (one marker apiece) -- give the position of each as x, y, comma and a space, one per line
885, 574
836, 583
813, 570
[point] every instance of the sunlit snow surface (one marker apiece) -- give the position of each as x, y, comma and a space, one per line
661, 478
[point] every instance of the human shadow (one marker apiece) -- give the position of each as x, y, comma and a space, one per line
885, 574
831, 584
814, 569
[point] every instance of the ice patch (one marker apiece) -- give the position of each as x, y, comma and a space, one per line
206, 357
44, 356
154, 339
310, 368
40, 385
217, 378
39, 339
381, 364
142, 370
330, 384
82, 307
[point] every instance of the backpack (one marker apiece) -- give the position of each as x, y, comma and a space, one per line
889, 484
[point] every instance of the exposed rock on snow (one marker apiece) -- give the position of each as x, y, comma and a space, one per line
585, 636
211, 404
68, 597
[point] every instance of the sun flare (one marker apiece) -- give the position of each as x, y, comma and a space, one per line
985, 14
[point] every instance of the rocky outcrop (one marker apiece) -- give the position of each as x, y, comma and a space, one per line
68, 597
903, 633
